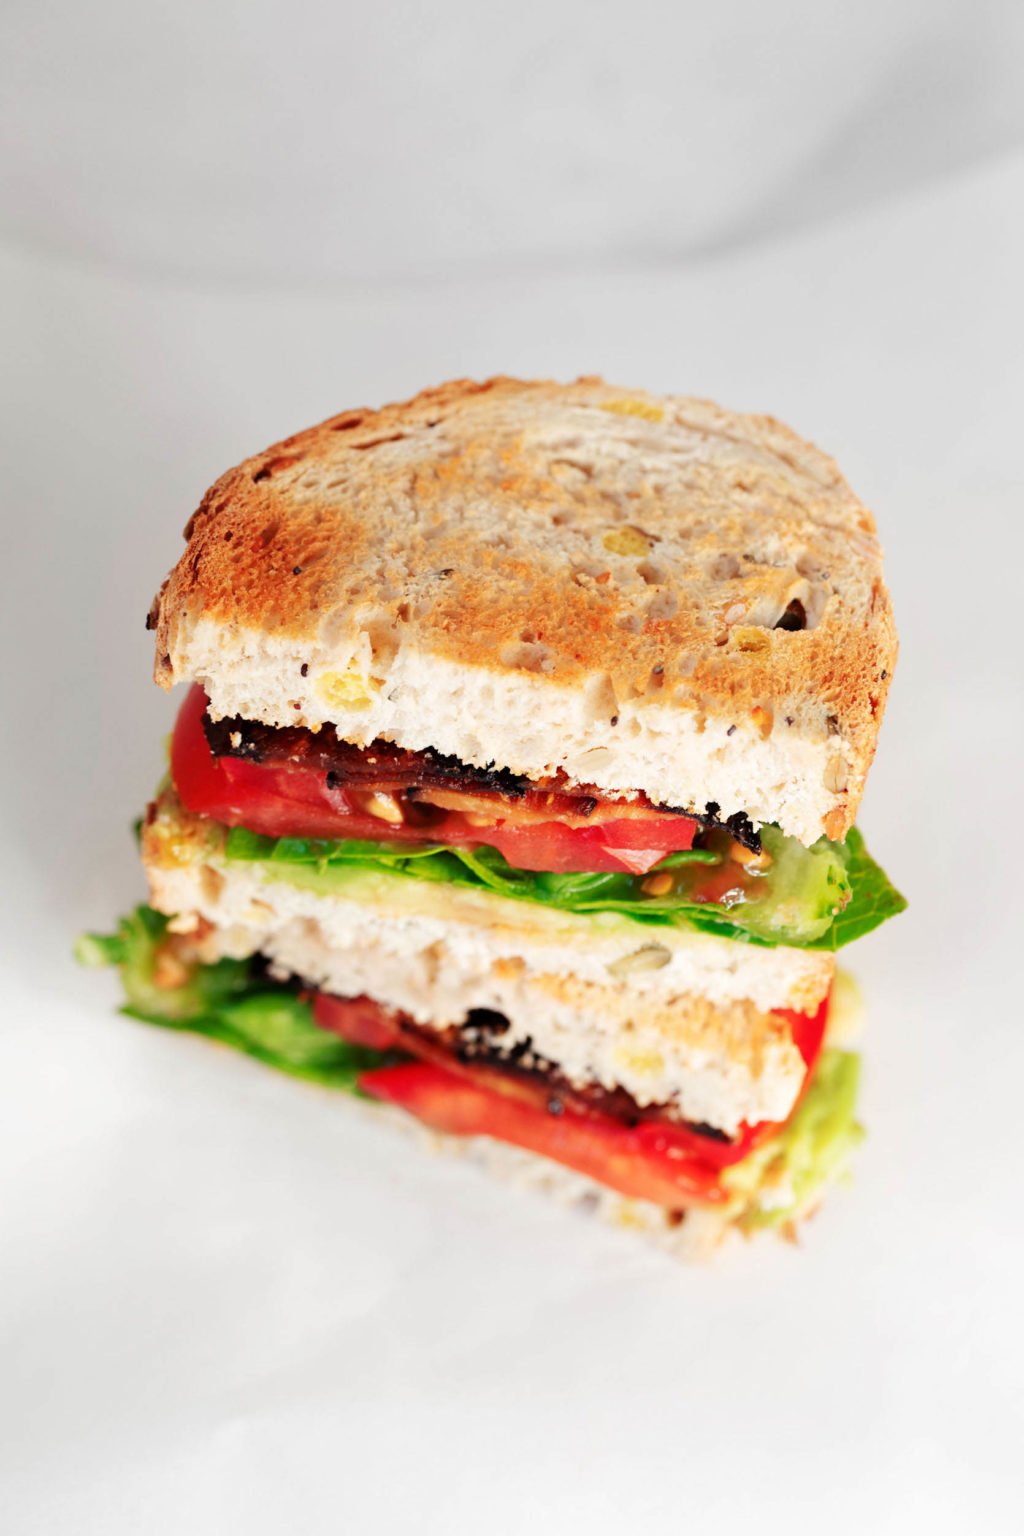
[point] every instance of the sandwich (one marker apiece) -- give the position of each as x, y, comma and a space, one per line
514, 784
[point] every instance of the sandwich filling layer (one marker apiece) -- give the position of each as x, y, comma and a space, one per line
636, 992
674, 1021
464, 1085
355, 907
320, 807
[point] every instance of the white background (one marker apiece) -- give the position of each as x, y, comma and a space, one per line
226, 1303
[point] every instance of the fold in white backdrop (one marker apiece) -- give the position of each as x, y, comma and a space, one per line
282, 141
226, 1303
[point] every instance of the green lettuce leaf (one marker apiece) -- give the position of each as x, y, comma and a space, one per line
784, 1178
820, 897
228, 1001
875, 898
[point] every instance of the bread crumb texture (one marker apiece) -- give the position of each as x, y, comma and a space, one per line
649, 593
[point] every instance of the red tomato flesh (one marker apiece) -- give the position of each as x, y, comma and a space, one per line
658, 1160
602, 1149
284, 799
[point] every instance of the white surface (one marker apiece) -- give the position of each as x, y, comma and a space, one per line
268, 140
225, 1302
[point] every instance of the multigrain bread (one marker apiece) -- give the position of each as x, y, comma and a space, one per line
645, 593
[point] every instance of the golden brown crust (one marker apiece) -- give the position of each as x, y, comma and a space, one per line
568, 531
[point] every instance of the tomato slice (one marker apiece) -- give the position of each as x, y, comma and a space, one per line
367, 1023
359, 1020
616, 847
610, 1153
285, 799
808, 1030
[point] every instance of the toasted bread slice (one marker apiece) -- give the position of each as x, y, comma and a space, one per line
646, 594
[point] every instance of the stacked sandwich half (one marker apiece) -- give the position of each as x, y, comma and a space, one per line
515, 783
